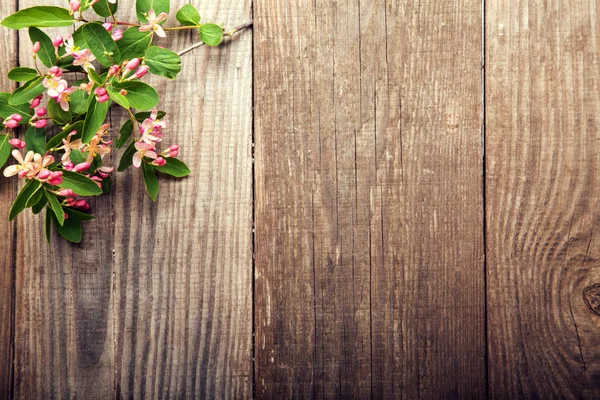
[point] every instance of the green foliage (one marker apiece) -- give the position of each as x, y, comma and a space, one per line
47, 54
94, 119
188, 16
150, 180
20, 202
22, 74
127, 158
174, 167
105, 9
134, 44
139, 94
27, 92
54, 204
5, 149
59, 115
124, 134
56, 140
79, 102
7, 109
80, 184
40, 16
70, 230
100, 43
36, 140
117, 97
211, 34
163, 62
143, 6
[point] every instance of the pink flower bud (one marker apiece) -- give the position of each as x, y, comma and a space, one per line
55, 178
133, 64
66, 193
36, 102
36, 47
15, 142
55, 71
124, 92
159, 161
174, 153
80, 203
103, 99
75, 5
17, 117
40, 112
41, 123
113, 70
143, 70
117, 35
69, 166
11, 123
84, 166
58, 41
45, 174
174, 147
66, 216
100, 91
23, 173
108, 26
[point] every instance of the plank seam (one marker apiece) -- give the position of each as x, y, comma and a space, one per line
253, 233
484, 192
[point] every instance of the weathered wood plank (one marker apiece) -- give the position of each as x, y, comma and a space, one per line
64, 331
184, 265
543, 102
8, 191
369, 248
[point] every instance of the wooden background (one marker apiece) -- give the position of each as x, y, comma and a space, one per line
419, 220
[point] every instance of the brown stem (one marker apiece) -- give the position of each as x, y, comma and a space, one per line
235, 30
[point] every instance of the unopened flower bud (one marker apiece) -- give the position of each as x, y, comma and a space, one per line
103, 99
124, 92
55, 178
117, 35
113, 70
17, 117
16, 143
143, 70
58, 41
55, 71
69, 166
108, 26
174, 153
133, 64
159, 161
84, 166
36, 47
66, 193
40, 112
75, 5
100, 91
36, 102
11, 123
45, 174
41, 123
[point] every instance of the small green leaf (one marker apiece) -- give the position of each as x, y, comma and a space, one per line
188, 16
134, 44
36, 140
41, 16
27, 92
127, 158
95, 77
47, 52
39, 206
117, 97
163, 62
211, 34
105, 9
79, 102
54, 204
5, 149
141, 116
48, 224
174, 167
77, 156
140, 95
124, 134
94, 119
159, 6
22, 74
151, 180
56, 140
60, 116
7, 110
101, 43
35, 197
21, 201
78, 215
70, 230
80, 184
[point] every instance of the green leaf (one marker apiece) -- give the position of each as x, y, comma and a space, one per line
36, 140
140, 95
35, 197
27, 92
159, 6
101, 43
56, 140
22, 74
41, 16
174, 167
95, 77
163, 62
151, 180
54, 204
211, 34
79, 101
70, 230
60, 116
21, 201
105, 9
5, 149
47, 52
117, 97
134, 44
7, 110
127, 158
48, 224
188, 16
39, 206
80, 184
77, 156
141, 116
94, 119
124, 134
78, 215
107, 185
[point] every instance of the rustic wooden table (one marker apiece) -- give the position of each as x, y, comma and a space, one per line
415, 224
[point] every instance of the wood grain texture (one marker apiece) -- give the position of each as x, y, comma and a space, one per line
64, 330
369, 247
8, 191
543, 103
183, 266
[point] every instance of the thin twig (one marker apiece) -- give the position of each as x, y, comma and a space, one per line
235, 30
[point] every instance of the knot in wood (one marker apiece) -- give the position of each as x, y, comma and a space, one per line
591, 296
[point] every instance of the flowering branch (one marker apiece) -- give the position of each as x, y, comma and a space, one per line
60, 172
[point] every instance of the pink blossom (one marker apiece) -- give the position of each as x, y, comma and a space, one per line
108, 26
153, 23
56, 178
11, 123
75, 5
40, 112
55, 85
143, 70
17, 143
133, 64
42, 123
58, 41
36, 47
143, 150
159, 161
65, 97
117, 35
84, 166
67, 193
84, 59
